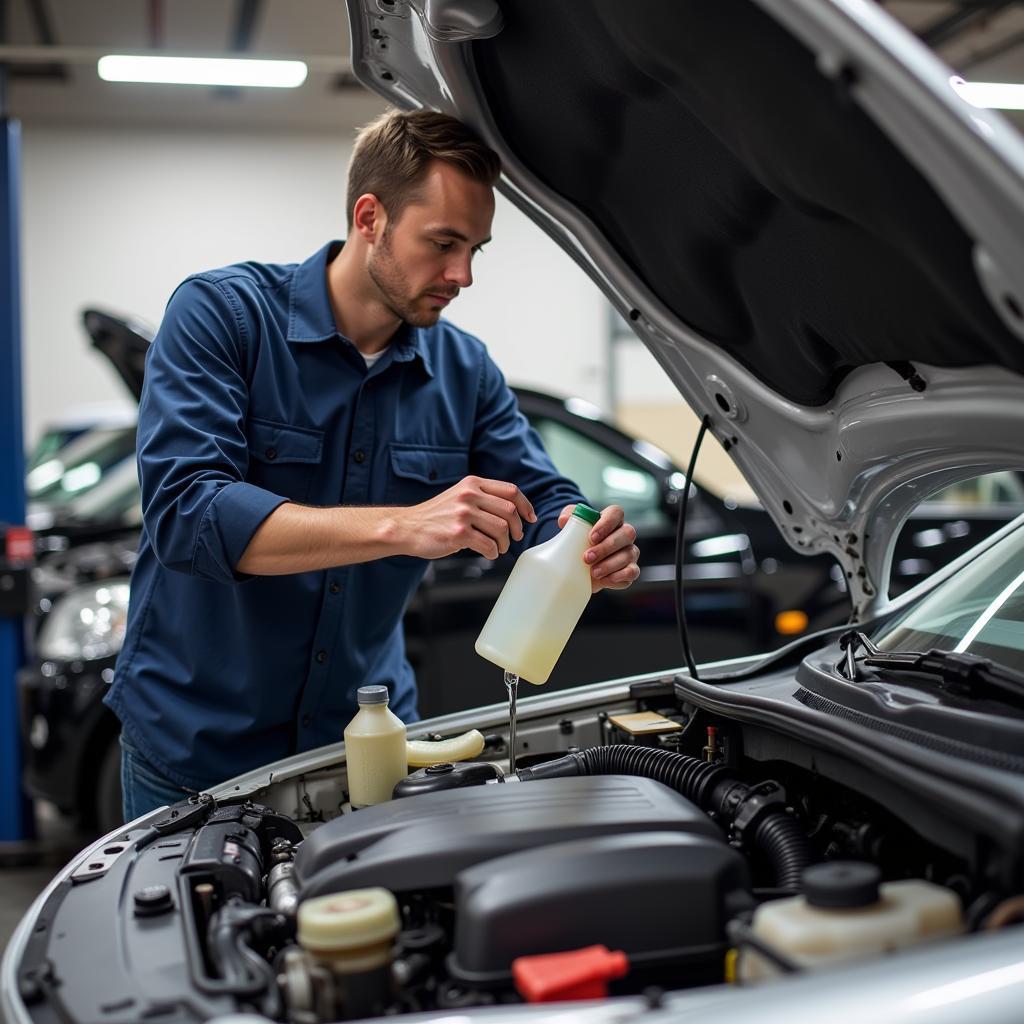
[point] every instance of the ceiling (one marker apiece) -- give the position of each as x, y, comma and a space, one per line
981, 39
70, 91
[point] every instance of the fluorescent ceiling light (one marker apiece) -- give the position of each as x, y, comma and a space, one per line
279, 74
996, 95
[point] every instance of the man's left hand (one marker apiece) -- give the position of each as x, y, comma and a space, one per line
613, 555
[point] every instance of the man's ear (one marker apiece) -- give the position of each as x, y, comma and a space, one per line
369, 218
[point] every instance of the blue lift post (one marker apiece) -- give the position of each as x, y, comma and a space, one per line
15, 820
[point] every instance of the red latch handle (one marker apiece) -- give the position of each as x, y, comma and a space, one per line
577, 974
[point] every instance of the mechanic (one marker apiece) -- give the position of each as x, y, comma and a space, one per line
309, 436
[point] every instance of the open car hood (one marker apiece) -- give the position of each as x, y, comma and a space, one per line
124, 342
818, 239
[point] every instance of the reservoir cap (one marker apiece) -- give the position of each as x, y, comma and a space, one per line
348, 920
842, 884
585, 512
372, 695
153, 900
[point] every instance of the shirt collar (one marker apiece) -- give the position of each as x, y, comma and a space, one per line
310, 317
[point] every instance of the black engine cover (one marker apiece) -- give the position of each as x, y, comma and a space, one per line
423, 842
659, 897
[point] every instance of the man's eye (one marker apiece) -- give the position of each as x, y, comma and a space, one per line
477, 249
443, 246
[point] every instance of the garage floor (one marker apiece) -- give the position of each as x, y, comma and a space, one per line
26, 868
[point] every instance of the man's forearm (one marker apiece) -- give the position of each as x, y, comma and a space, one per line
299, 538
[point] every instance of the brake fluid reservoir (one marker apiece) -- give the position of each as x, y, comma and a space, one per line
351, 934
541, 602
375, 756
845, 914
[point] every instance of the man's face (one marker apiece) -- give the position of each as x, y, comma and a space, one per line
422, 261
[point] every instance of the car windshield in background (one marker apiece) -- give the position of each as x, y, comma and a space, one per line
606, 478
978, 610
80, 465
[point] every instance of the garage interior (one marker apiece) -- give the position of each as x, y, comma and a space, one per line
115, 192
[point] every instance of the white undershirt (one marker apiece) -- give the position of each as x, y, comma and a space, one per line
372, 358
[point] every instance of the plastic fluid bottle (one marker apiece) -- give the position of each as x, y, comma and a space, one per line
374, 749
541, 602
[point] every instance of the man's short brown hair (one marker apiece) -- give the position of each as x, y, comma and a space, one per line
392, 154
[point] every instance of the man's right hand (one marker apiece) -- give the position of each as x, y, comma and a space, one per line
482, 515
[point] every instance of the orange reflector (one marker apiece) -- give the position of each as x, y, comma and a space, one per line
791, 622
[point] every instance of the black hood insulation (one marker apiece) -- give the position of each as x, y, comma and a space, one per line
751, 193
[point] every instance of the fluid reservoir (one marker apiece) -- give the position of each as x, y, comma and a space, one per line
846, 914
352, 931
375, 754
541, 602
351, 934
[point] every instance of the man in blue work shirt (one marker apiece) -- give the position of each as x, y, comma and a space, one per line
309, 435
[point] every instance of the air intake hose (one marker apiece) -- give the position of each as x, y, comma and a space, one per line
755, 814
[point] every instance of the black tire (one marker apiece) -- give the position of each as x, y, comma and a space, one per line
108, 808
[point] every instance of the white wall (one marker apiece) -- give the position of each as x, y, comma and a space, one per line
115, 218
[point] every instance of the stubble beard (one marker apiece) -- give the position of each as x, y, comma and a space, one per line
393, 286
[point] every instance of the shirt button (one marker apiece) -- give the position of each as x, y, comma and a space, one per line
359, 456
321, 656
271, 454
306, 721
334, 588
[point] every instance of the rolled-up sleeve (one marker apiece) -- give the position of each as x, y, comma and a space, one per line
506, 447
193, 456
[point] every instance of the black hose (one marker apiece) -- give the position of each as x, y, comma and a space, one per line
684, 633
241, 969
713, 788
693, 778
780, 839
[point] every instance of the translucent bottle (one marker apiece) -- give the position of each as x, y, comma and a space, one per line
845, 914
541, 602
374, 749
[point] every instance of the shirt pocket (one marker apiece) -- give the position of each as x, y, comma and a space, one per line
283, 458
418, 472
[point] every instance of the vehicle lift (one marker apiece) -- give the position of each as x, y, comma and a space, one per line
16, 545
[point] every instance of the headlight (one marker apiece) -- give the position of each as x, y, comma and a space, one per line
86, 623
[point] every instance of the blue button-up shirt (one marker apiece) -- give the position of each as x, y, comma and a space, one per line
252, 398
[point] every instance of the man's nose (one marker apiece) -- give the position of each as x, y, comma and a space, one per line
459, 271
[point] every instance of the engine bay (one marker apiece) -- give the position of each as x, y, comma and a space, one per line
643, 845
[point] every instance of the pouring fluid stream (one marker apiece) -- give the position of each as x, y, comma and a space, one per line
512, 685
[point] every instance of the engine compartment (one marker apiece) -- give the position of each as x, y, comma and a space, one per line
617, 860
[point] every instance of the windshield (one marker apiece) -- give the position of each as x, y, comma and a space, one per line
978, 610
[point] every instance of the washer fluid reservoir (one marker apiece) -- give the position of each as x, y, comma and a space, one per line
845, 914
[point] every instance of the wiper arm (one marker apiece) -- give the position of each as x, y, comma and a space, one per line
960, 674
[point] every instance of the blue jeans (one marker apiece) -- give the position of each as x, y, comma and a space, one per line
143, 788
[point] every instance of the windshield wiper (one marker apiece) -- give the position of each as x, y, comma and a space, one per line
964, 675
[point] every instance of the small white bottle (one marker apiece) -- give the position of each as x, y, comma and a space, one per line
541, 602
374, 749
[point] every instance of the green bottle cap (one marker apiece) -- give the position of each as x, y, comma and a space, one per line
588, 514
